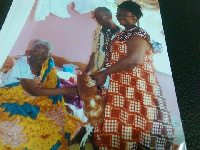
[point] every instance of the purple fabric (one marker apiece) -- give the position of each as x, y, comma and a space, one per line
71, 99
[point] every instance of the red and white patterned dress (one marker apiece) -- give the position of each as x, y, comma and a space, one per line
136, 113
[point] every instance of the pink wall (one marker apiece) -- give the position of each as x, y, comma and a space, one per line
71, 37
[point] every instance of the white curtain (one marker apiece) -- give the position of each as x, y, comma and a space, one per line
59, 7
84, 6
56, 7
14, 22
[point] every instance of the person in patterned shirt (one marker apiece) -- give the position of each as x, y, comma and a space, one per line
102, 38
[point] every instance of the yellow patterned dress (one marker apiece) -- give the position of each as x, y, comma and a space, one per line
136, 113
35, 123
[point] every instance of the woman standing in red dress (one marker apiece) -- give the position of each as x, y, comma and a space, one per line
136, 113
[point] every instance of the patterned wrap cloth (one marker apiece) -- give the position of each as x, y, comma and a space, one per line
136, 113
35, 123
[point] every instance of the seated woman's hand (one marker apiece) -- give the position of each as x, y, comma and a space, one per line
28, 95
38, 81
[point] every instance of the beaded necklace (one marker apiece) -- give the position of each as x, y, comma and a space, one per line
108, 36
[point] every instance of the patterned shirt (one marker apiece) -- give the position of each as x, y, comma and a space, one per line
102, 40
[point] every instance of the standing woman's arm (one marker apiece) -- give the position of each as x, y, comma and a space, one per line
136, 49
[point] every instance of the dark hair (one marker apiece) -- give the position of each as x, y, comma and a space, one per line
132, 7
104, 9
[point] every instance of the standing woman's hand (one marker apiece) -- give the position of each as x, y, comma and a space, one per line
100, 78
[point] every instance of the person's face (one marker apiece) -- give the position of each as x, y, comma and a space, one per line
39, 55
126, 18
102, 18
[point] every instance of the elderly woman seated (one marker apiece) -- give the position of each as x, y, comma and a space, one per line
32, 110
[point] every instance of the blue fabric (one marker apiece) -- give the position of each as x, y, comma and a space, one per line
58, 82
56, 98
50, 65
56, 146
67, 136
157, 46
12, 84
26, 109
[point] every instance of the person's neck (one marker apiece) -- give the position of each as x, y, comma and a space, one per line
112, 26
129, 27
